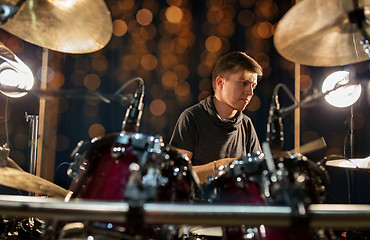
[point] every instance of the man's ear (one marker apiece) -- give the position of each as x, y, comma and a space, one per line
219, 82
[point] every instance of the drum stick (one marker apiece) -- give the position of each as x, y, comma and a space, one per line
311, 146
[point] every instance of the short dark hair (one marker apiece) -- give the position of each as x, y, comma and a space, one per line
234, 61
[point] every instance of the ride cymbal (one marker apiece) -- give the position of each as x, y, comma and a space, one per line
358, 163
71, 26
321, 33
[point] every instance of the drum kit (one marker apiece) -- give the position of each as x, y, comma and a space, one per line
128, 185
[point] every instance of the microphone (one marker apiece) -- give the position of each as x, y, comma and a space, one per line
131, 122
275, 132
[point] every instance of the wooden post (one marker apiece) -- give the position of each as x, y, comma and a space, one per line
48, 123
297, 111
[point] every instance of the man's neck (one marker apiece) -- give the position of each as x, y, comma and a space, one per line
223, 109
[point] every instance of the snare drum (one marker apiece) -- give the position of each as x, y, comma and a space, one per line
129, 167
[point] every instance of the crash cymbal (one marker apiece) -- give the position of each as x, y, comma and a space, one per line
69, 26
319, 33
350, 163
14, 178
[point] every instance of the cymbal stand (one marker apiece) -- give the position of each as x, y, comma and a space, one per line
32, 141
351, 133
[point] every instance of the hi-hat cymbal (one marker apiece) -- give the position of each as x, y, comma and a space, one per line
350, 163
69, 26
14, 178
320, 33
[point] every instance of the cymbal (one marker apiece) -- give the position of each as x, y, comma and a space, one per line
319, 33
69, 26
14, 178
350, 163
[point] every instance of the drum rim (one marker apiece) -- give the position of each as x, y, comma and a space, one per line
200, 227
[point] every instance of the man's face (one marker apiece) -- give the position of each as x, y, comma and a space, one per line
237, 90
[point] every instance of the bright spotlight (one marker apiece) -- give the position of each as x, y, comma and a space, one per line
14, 74
344, 96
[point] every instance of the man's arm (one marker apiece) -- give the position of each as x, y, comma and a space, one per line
206, 170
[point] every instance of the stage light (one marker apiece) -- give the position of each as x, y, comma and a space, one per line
14, 74
344, 96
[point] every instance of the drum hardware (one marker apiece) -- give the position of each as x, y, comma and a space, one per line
48, 24
15, 228
318, 23
32, 141
338, 216
366, 45
131, 121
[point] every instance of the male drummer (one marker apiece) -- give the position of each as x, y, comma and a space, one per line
215, 131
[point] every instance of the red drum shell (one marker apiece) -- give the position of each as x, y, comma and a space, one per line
104, 171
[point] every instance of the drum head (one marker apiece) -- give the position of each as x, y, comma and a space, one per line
201, 232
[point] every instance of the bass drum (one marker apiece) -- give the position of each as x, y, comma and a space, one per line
248, 181
130, 167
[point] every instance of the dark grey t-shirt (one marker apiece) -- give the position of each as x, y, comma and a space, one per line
200, 130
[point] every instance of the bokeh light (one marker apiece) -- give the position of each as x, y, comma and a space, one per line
57, 81
182, 89
255, 104
267, 9
96, 130
246, 18
82, 65
130, 62
15, 44
50, 74
99, 63
126, 4
169, 79
92, 81
157, 107
263, 30
213, 44
174, 14
119, 27
144, 17
149, 62
182, 71
305, 82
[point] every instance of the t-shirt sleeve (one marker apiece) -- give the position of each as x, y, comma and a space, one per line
255, 144
184, 133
